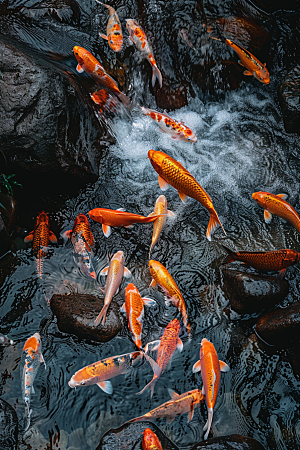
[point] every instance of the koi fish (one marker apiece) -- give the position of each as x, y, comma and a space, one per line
172, 172
177, 130
161, 277
33, 358
114, 35
166, 348
134, 308
115, 272
252, 65
117, 218
138, 37
105, 101
211, 369
180, 404
160, 208
5, 341
41, 235
150, 440
276, 204
89, 64
265, 261
83, 241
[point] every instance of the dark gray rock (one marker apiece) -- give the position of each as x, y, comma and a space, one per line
232, 442
289, 98
8, 426
278, 5
5, 240
248, 293
76, 314
9, 214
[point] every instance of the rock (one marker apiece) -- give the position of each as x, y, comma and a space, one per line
34, 439
170, 97
231, 442
67, 11
277, 5
8, 426
249, 293
76, 314
76, 439
5, 240
105, 422
130, 435
9, 214
289, 98
280, 326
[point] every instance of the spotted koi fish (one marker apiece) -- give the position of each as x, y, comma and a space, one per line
41, 235
134, 308
265, 261
160, 208
138, 37
114, 34
166, 348
177, 130
211, 369
150, 440
89, 64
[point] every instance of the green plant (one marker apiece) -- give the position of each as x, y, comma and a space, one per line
6, 182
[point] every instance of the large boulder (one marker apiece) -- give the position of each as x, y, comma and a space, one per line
289, 98
232, 442
8, 426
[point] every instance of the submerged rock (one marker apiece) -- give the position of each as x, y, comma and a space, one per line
248, 293
232, 442
76, 314
130, 436
289, 98
8, 426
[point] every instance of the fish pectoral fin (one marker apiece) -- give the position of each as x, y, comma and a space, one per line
155, 367
173, 394
106, 230
191, 413
281, 274
79, 68
121, 209
170, 213
32, 390
152, 346
267, 216
106, 386
52, 237
240, 63
126, 273
123, 309
29, 238
66, 235
197, 367
179, 345
283, 196
128, 226
182, 196
42, 360
148, 301
153, 283
223, 366
163, 184
248, 73
104, 271
103, 36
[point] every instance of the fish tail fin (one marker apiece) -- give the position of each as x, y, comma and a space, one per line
39, 267
214, 221
102, 316
151, 248
208, 423
156, 74
28, 415
124, 99
230, 257
150, 385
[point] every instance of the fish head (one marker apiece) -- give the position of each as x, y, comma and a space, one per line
260, 198
96, 215
33, 343
150, 440
174, 325
119, 256
81, 218
198, 396
131, 24
131, 289
156, 158
42, 218
80, 54
154, 267
190, 135
162, 199
262, 75
81, 378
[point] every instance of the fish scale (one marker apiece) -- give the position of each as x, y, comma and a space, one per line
267, 260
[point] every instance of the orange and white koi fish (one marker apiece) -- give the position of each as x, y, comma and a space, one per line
138, 37
276, 204
117, 218
5, 341
166, 348
134, 308
211, 369
89, 64
105, 100
251, 63
115, 272
150, 440
172, 172
33, 358
177, 130
114, 30
160, 208
180, 404
41, 235
161, 277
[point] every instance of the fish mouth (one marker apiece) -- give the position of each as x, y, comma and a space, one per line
72, 383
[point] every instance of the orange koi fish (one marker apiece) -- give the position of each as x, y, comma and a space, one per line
89, 64
177, 130
134, 308
265, 261
211, 369
115, 272
151, 441
41, 235
161, 277
180, 404
138, 37
114, 30
166, 348
172, 172
117, 218
161, 209
251, 63
276, 204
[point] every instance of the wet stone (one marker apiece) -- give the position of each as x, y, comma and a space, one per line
232, 442
130, 436
277, 5
8, 426
171, 98
280, 326
289, 98
5, 240
249, 293
9, 214
76, 314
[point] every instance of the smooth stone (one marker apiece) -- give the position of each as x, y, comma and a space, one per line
76, 439
231, 442
289, 98
249, 293
76, 314
8, 426
280, 326
130, 436
5, 240
105, 422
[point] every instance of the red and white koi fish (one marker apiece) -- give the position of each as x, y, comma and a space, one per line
211, 369
166, 348
177, 130
115, 272
5, 341
41, 235
151, 441
33, 358
138, 37
134, 308
161, 209
105, 101
114, 30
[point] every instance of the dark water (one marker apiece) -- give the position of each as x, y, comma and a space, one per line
242, 148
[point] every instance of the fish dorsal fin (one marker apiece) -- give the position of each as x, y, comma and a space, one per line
267, 216
162, 183
173, 394
283, 196
223, 366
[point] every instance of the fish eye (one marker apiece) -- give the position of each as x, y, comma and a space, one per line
188, 139
111, 41
82, 383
